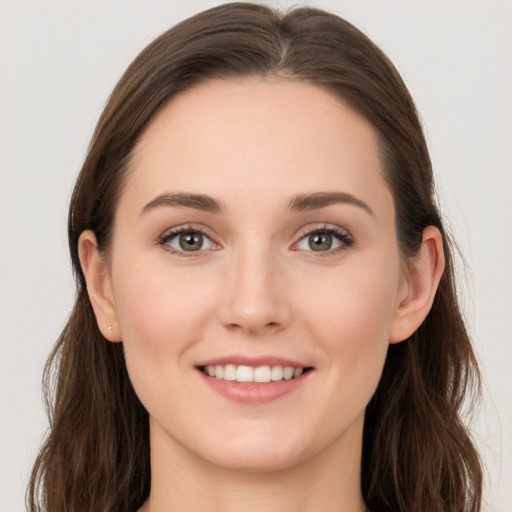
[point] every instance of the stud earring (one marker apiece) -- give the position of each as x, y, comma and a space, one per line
109, 327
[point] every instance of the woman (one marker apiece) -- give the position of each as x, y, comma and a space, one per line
266, 313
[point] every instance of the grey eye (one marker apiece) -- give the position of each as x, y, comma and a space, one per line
323, 241
320, 241
190, 241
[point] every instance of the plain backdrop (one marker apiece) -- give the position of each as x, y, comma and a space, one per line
59, 60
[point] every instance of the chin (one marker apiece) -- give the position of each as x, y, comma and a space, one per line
251, 459
265, 449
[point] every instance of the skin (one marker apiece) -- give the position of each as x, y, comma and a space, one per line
258, 289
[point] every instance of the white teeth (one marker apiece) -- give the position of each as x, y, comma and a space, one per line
229, 372
276, 373
244, 374
260, 374
288, 372
219, 371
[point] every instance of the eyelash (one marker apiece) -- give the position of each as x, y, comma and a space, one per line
167, 237
343, 237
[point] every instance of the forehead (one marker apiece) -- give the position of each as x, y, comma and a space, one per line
263, 136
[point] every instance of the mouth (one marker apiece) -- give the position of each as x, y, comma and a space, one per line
263, 374
254, 380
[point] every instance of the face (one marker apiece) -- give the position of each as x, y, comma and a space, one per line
255, 273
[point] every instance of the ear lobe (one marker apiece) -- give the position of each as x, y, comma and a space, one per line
423, 275
99, 286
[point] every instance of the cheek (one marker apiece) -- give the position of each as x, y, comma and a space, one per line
162, 314
161, 311
351, 305
350, 316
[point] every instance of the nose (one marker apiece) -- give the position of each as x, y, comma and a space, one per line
254, 298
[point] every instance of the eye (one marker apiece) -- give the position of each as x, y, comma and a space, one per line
324, 240
187, 240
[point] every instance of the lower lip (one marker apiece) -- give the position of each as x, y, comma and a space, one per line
254, 393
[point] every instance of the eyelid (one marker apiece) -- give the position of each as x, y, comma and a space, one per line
343, 235
169, 234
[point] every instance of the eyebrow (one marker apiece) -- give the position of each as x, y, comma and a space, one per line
185, 200
300, 203
315, 201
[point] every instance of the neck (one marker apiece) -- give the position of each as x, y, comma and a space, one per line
182, 482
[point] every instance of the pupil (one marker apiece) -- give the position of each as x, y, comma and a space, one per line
191, 241
320, 241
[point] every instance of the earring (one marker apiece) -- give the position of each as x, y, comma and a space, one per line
109, 327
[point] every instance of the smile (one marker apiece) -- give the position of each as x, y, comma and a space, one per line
249, 374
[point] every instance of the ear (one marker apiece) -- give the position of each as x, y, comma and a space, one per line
99, 286
417, 293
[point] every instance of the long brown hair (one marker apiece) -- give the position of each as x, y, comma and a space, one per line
417, 453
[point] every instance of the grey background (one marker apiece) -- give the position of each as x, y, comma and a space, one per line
59, 60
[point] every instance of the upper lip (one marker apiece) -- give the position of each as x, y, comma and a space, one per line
238, 360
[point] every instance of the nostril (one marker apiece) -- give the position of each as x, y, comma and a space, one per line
253, 326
